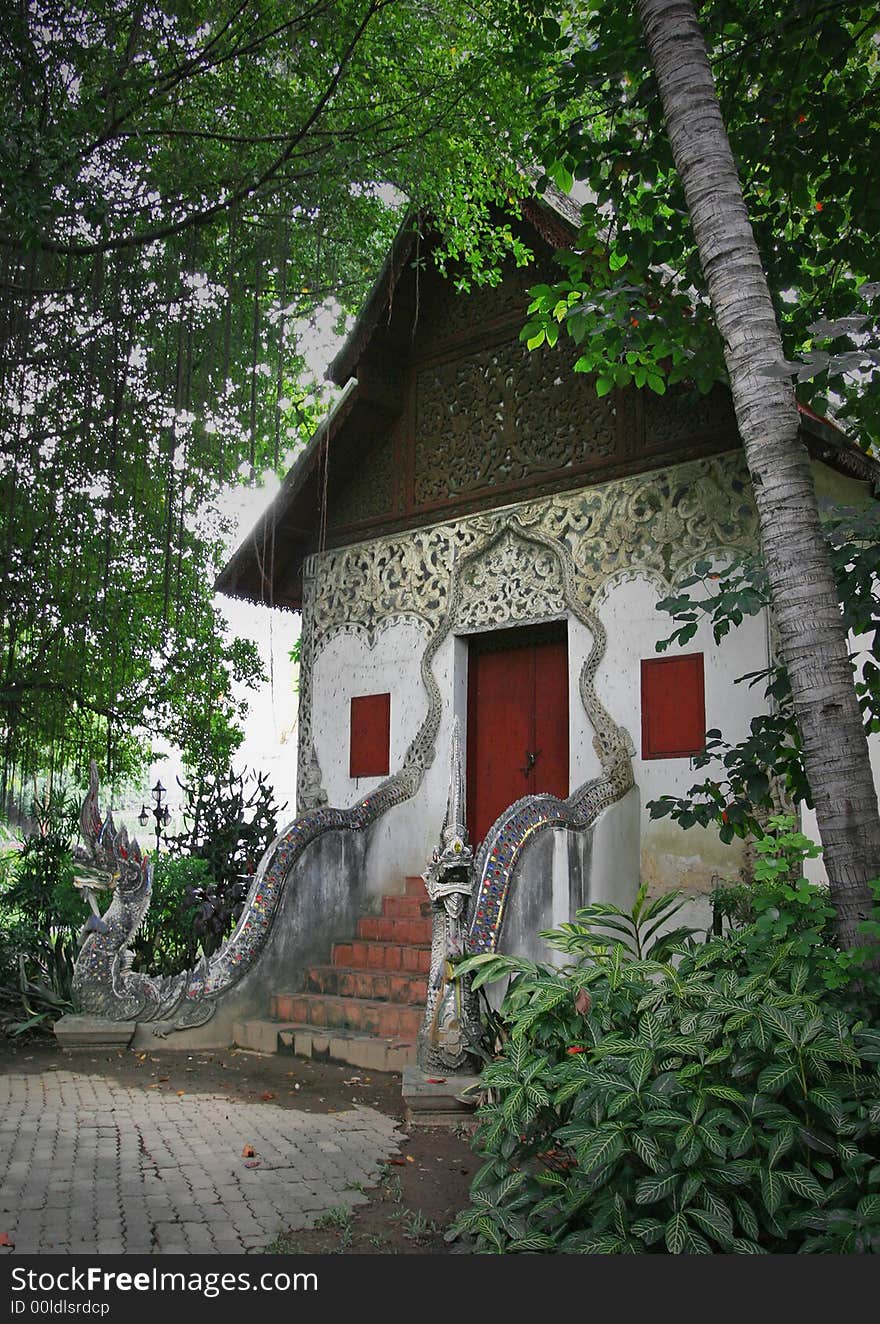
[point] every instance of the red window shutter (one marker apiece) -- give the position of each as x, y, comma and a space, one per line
370, 747
673, 707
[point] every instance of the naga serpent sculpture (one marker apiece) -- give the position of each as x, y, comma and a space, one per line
105, 984
451, 1025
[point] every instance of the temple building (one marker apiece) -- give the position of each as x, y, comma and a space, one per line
474, 533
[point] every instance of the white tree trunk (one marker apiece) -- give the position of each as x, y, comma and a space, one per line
813, 640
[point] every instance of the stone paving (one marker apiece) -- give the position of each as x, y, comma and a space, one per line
90, 1166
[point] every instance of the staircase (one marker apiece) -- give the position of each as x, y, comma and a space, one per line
365, 1008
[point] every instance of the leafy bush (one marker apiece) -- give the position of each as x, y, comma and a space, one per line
167, 941
230, 821
41, 914
782, 906
722, 1101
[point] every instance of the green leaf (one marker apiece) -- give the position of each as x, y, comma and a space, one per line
535, 1241
803, 1184
651, 1189
746, 1215
676, 1234
771, 1190
646, 1149
716, 1226
604, 1146
725, 1092
829, 1101
774, 1079
640, 1067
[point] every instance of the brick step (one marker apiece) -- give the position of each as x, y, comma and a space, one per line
346, 1046
381, 928
406, 907
387, 1019
376, 985
360, 954
415, 886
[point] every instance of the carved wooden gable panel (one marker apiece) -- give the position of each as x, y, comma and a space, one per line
503, 417
482, 421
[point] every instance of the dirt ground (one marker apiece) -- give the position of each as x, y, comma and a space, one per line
419, 1192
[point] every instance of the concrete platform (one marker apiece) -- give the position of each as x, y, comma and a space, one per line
79, 1034
438, 1100
350, 1047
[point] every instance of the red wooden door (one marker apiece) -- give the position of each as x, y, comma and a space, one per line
517, 720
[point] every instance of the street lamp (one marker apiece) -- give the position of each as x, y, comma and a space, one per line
159, 811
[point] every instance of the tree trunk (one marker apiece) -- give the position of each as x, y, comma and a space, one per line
813, 639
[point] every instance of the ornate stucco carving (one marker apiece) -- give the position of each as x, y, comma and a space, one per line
513, 580
654, 524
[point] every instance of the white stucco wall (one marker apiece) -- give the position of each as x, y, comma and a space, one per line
347, 666
671, 856
402, 842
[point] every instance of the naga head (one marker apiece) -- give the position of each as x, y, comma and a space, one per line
448, 877
110, 861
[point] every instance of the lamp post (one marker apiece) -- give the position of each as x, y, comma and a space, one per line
159, 811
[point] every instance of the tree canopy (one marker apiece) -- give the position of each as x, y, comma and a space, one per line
181, 188
798, 89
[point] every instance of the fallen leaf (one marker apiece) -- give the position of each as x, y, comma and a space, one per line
267, 1095
164, 1077
5, 1239
436, 1080
410, 1159
398, 1162
248, 1151
180, 1092
152, 1087
252, 1163
582, 1002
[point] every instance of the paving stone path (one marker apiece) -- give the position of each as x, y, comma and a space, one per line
88, 1165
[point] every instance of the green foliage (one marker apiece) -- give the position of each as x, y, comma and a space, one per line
782, 906
230, 822
738, 792
642, 932
40, 916
721, 1102
167, 941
